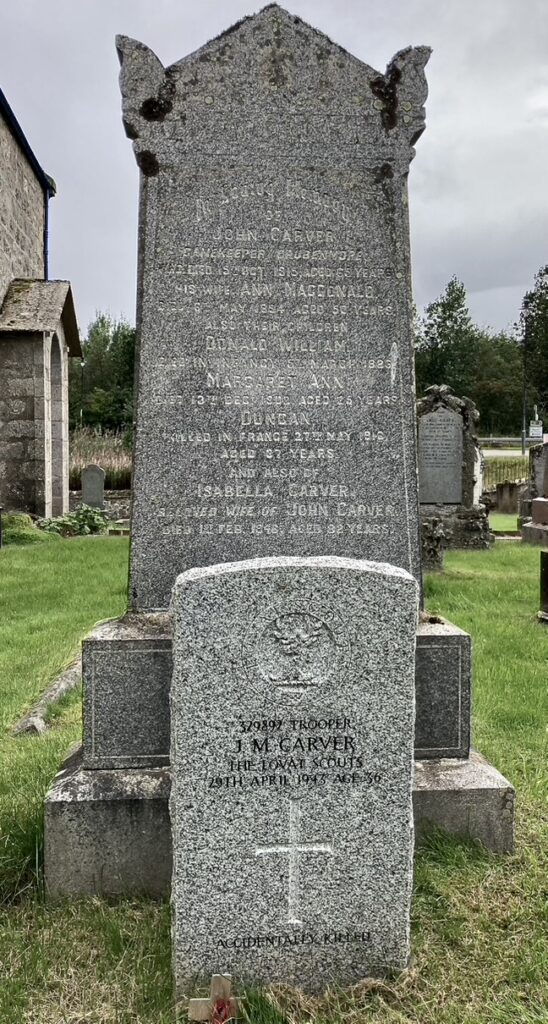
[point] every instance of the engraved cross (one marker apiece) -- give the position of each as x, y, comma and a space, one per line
293, 850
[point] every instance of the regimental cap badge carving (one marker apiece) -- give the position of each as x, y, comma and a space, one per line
296, 650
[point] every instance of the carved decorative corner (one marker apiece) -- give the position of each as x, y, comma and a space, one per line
147, 99
402, 91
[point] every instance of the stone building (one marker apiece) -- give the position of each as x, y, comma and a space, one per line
38, 333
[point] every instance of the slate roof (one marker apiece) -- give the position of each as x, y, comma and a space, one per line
46, 182
31, 305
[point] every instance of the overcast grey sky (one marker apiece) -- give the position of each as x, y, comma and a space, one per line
478, 185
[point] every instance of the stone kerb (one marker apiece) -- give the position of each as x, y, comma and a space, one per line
292, 709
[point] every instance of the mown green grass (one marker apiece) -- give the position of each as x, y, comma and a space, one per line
501, 522
494, 596
50, 596
480, 922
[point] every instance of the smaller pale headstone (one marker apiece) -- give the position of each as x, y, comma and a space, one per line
292, 710
93, 486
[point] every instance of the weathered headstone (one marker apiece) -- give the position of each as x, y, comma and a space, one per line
450, 475
93, 486
440, 457
275, 409
292, 751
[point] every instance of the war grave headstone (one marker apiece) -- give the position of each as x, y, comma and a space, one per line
275, 409
291, 812
450, 475
93, 486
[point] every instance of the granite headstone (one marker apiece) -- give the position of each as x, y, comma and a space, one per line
292, 710
93, 486
275, 407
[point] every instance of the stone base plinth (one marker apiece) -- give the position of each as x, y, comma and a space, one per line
539, 511
467, 798
457, 528
127, 669
108, 832
535, 533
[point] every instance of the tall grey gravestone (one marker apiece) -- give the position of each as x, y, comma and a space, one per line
292, 758
274, 418
275, 408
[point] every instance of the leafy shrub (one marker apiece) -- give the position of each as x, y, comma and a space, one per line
84, 520
18, 528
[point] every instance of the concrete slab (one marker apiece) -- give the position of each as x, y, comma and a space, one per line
467, 798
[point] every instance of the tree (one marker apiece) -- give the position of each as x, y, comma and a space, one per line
533, 328
451, 349
446, 342
101, 386
497, 389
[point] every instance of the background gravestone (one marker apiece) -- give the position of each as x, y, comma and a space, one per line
275, 410
440, 457
533, 530
292, 755
93, 486
450, 476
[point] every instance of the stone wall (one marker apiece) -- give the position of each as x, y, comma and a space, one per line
19, 383
22, 212
34, 423
117, 503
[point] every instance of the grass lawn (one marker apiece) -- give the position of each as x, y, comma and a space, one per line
502, 523
480, 922
50, 596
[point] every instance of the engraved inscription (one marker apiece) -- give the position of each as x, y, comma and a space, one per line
440, 457
277, 391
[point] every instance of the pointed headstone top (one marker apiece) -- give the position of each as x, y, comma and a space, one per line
267, 66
